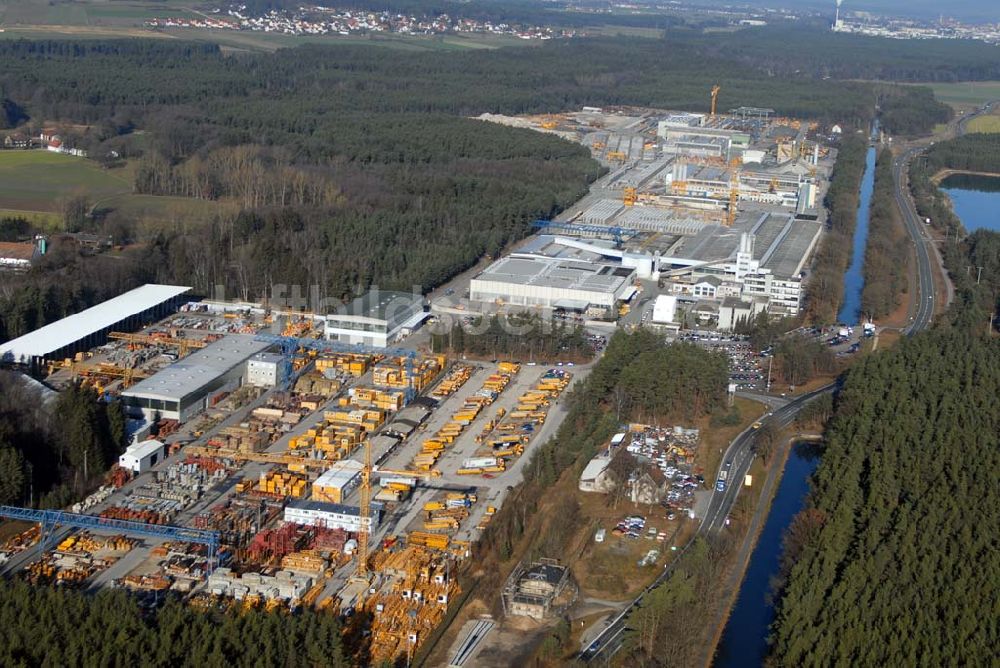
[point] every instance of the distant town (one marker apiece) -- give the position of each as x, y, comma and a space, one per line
319, 20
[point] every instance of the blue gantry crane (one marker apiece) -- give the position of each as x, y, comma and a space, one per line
619, 234
50, 519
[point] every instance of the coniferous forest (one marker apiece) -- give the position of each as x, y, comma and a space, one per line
894, 561
45, 626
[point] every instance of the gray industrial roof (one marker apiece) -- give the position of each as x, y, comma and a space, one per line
381, 304
198, 369
71, 329
545, 272
788, 258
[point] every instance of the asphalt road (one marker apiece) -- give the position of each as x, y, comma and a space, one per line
915, 228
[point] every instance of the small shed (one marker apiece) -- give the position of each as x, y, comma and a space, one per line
142, 456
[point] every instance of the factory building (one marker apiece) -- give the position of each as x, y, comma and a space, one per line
90, 328
331, 515
591, 287
377, 319
265, 370
187, 386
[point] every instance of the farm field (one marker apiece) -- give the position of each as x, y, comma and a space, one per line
966, 93
36, 180
989, 123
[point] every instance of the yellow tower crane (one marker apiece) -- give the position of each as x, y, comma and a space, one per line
715, 96
734, 197
322, 464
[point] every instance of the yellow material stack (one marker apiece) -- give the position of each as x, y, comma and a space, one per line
454, 380
284, 484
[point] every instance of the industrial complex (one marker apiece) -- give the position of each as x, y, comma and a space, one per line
706, 207
282, 458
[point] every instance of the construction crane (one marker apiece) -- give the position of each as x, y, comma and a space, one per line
715, 96
182, 345
630, 196
734, 197
364, 488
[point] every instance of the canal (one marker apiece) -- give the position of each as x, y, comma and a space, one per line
744, 640
854, 280
975, 199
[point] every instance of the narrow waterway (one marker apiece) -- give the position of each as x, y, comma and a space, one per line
854, 280
744, 640
975, 199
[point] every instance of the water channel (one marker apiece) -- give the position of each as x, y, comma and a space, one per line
744, 640
854, 280
975, 199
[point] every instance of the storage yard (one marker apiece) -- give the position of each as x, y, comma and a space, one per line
330, 478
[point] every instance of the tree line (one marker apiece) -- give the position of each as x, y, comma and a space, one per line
52, 451
893, 561
887, 253
43, 626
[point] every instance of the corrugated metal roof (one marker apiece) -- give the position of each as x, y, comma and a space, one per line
71, 329
198, 369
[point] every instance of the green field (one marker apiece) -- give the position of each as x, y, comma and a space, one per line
33, 184
967, 93
101, 19
989, 123
37, 180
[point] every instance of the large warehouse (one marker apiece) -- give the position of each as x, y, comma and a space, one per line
377, 319
183, 388
552, 283
90, 328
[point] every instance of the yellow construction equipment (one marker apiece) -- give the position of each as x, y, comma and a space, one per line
617, 156
182, 345
715, 96
734, 197
630, 195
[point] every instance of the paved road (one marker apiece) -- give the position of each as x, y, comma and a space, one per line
915, 228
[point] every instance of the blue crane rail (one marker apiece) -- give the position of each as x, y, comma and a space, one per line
51, 518
619, 234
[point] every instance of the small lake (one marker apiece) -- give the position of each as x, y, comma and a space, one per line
744, 640
976, 200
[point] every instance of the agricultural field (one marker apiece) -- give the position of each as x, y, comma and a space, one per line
96, 19
37, 180
89, 12
989, 123
967, 93
33, 185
